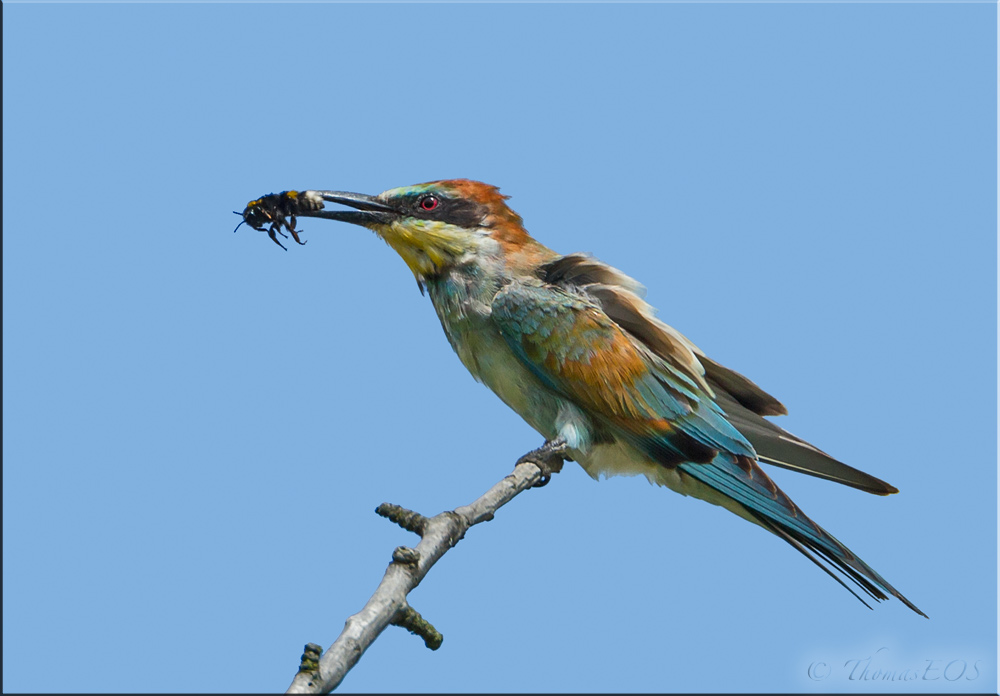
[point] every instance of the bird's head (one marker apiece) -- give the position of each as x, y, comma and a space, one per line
437, 225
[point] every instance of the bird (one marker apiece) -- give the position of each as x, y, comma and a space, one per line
569, 343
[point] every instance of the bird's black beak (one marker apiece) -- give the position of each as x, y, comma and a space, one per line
369, 210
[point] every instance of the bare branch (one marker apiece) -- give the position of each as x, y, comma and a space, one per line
413, 622
388, 606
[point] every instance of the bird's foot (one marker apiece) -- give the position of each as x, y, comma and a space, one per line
549, 458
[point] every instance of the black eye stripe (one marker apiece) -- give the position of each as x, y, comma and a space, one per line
434, 206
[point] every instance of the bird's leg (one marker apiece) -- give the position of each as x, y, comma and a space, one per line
549, 458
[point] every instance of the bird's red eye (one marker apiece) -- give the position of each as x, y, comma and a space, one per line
428, 203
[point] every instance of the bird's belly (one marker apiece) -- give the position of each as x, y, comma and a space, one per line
618, 458
487, 356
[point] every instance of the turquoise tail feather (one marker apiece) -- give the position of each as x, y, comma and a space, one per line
742, 480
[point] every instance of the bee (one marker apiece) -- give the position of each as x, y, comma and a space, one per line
279, 210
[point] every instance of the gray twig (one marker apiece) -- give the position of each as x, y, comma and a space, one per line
388, 606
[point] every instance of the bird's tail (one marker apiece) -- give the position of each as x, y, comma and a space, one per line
741, 479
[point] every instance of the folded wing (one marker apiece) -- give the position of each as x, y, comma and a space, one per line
661, 404
744, 403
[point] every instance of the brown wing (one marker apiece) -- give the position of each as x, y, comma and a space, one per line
744, 402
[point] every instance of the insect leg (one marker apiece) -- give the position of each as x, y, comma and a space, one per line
290, 226
273, 236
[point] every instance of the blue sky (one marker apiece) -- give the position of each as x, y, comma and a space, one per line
199, 425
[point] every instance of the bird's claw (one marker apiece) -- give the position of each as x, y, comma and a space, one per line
549, 458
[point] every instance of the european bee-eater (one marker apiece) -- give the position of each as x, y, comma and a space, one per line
571, 346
